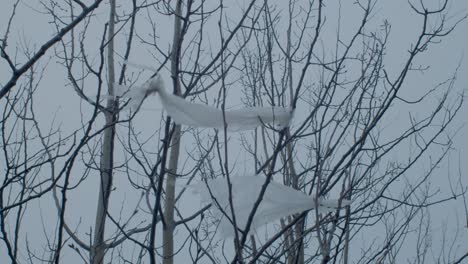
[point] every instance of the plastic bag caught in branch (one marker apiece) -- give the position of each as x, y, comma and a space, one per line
279, 201
200, 115
137, 94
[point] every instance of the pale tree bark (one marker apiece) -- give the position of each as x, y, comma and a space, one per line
98, 249
168, 229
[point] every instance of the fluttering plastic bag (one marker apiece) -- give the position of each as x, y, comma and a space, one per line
200, 115
278, 201
137, 94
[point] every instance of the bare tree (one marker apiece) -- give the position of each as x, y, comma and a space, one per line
138, 166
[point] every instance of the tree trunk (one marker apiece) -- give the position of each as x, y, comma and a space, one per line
107, 159
168, 230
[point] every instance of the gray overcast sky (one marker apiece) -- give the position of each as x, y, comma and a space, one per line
31, 29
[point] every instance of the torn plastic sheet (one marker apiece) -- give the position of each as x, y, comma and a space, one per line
278, 201
201, 115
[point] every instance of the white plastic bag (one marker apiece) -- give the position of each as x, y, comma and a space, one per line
279, 201
200, 115
137, 94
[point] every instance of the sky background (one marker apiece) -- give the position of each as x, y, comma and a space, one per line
57, 104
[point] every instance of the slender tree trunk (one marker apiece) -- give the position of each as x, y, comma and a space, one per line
346, 242
168, 231
168, 234
298, 249
348, 214
288, 240
107, 159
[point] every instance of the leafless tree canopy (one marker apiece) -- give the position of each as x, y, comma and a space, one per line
92, 181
